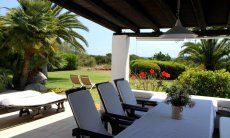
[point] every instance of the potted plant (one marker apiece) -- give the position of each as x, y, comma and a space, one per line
179, 96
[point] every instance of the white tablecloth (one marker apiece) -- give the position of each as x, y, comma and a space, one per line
197, 122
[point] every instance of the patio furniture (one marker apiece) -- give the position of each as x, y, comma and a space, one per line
197, 122
224, 127
87, 82
32, 100
223, 108
75, 80
127, 95
112, 104
86, 115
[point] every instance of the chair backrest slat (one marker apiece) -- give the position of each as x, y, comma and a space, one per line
85, 80
110, 98
125, 91
75, 79
85, 112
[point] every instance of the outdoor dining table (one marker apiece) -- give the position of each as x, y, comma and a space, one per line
197, 122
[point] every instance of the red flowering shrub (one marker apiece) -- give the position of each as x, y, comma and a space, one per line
165, 74
152, 71
149, 80
142, 75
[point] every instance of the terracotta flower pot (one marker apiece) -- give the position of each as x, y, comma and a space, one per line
177, 112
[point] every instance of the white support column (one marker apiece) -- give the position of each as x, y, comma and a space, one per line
120, 57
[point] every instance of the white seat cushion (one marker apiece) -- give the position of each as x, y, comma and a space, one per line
126, 93
110, 98
85, 112
224, 127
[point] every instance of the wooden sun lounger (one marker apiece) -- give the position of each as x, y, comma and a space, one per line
35, 103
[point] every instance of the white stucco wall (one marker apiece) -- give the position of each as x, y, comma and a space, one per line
120, 57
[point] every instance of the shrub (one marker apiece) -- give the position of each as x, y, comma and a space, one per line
207, 83
72, 61
173, 68
134, 57
86, 61
5, 80
103, 59
140, 65
224, 65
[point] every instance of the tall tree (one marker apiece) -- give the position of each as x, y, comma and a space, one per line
208, 52
161, 56
36, 27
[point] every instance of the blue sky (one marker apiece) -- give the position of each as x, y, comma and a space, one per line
100, 39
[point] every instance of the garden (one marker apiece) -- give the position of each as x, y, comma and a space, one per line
57, 50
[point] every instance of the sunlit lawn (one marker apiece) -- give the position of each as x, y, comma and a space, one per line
61, 79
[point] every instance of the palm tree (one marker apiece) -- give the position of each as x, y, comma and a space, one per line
208, 52
37, 27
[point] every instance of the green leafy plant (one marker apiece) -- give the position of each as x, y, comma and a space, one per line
172, 67
143, 65
179, 95
207, 83
56, 90
209, 52
5, 80
86, 60
37, 27
72, 61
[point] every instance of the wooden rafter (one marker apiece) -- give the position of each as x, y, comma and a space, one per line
78, 9
199, 14
100, 5
228, 22
141, 12
199, 33
169, 15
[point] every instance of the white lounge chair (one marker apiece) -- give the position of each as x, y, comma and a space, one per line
112, 105
127, 95
86, 115
32, 100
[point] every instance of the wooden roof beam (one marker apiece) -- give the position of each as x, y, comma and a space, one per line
78, 9
99, 4
228, 21
169, 15
199, 33
199, 14
142, 13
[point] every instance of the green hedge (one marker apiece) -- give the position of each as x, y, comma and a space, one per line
139, 65
207, 83
173, 68
72, 61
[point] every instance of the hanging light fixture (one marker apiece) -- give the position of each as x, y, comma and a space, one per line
178, 32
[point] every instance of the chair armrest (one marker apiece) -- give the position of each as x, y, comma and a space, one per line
147, 102
78, 131
224, 113
134, 107
118, 117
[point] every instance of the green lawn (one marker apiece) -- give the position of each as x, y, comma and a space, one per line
60, 79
